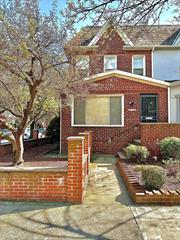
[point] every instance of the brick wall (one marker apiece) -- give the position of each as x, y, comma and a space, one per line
45, 183
112, 44
33, 185
102, 135
151, 134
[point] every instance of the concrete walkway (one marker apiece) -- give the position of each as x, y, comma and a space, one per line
107, 214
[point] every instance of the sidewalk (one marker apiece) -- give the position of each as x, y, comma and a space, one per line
107, 214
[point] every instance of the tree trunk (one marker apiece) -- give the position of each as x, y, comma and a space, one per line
18, 150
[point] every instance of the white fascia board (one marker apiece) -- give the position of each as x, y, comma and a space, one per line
127, 75
175, 83
177, 40
104, 28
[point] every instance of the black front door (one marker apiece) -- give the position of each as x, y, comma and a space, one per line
149, 108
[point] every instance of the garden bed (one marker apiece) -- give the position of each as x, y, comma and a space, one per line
168, 194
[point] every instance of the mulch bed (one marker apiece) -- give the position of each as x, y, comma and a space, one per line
171, 182
141, 195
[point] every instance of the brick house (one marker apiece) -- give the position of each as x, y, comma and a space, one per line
125, 94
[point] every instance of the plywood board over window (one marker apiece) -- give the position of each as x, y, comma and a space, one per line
98, 111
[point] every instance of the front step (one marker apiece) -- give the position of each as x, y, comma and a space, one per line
122, 156
137, 142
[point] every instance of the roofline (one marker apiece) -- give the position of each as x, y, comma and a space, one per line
175, 83
129, 76
177, 39
145, 47
104, 28
82, 48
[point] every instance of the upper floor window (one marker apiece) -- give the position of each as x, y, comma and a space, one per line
138, 65
110, 62
82, 65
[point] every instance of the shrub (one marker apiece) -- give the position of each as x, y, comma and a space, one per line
170, 148
153, 177
172, 166
138, 153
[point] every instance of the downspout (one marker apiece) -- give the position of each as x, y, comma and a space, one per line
60, 128
152, 61
169, 105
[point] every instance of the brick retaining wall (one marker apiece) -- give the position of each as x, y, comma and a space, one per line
36, 185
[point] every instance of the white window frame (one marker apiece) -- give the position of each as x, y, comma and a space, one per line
88, 59
107, 95
144, 63
115, 62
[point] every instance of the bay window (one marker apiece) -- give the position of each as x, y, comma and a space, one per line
98, 111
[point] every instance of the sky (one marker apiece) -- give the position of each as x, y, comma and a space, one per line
45, 5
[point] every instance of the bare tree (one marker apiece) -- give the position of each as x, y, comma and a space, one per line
31, 48
122, 11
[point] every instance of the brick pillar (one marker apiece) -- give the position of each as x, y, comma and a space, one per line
75, 183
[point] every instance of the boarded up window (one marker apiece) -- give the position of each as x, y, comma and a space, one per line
100, 110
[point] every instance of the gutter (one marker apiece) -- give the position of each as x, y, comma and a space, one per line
145, 47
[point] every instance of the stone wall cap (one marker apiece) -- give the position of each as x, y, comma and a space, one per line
34, 169
84, 133
76, 138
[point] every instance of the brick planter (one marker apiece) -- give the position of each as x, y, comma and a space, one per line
140, 195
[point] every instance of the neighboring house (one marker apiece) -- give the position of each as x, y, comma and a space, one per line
175, 102
119, 60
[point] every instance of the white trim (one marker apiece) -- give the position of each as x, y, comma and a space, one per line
176, 83
127, 75
144, 63
169, 105
115, 62
103, 30
177, 39
152, 62
99, 95
60, 135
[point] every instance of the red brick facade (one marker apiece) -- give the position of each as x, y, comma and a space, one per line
151, 134
112, 44
111, 139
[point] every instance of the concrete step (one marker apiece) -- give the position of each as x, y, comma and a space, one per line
137, 142
121, 155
